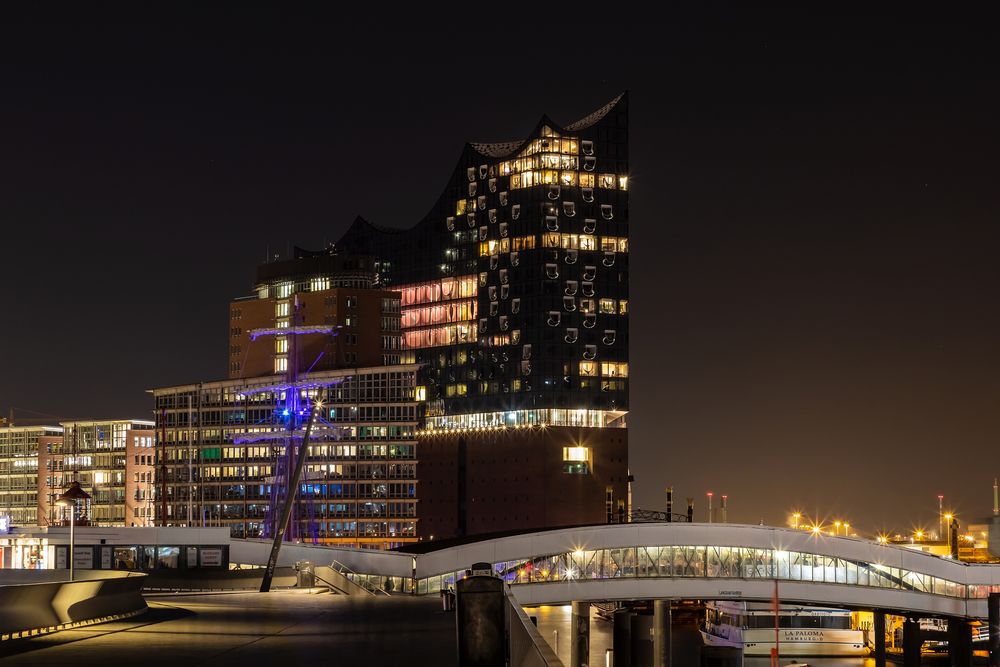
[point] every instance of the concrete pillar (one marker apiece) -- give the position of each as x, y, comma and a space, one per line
579, 648
622, 638
911, 643
993, 605
878, 628
661, 633
959, 643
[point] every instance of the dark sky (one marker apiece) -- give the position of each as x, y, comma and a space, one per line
814, 220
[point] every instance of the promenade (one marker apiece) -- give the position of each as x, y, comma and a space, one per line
279, 628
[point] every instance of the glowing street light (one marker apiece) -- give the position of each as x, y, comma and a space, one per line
69, 499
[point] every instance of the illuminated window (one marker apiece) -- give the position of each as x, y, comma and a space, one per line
608, 306
587, 242
586, 181
623, 182
576, 460
460, 207
623, 306
280, 365
606, 181
550, 240
586, 305
284, 290
280, 345
588, 368
614, 369
281, 324
281, 309
523, 243
567, 178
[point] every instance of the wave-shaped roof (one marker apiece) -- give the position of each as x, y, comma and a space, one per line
506, 148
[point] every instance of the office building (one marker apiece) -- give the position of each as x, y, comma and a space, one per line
342, 320
114, 462
19, 447
227, 462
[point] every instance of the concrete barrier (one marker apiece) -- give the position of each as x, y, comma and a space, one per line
33, 602
217, 580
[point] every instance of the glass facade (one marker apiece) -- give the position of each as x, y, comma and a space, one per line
712, 562
523, 230
19, 447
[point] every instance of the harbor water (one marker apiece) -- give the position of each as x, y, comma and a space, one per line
554, 626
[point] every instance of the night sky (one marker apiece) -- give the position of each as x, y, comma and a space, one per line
814, 220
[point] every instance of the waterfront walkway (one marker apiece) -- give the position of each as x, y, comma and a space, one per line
279, 628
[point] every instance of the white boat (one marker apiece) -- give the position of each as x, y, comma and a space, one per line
802, 631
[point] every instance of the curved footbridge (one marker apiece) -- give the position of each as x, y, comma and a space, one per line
673, 561
642, 561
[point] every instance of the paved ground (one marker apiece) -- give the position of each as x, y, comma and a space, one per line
281, 628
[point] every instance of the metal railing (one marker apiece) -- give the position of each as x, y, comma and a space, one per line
365, 581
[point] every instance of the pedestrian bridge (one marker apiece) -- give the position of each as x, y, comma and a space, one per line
641, 561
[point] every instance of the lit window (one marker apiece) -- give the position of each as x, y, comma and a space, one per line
586, 305
588, 368
567, 178
606, 181
623, 182
460, 207
319, 284
280, 345
608, 306
587, 242
576, 460
614, 369
280, 365
281, 324
623, 306
284, 290
586, 181
281, 309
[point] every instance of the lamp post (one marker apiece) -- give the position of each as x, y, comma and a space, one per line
69, 499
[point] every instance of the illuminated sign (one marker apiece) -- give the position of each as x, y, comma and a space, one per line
4, 524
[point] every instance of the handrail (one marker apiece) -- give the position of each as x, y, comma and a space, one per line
356, 578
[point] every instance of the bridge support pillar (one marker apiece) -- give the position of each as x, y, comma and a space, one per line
993, 607
622, 638
661, 633
911, 643
878, 628
579, 652
959, 643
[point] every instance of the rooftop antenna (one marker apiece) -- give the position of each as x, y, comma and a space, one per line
996, 499
725, 508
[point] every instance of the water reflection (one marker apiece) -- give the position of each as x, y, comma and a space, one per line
685, 639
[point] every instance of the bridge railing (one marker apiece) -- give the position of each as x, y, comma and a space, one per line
527, 646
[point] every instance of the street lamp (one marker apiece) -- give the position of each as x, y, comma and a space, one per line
69, 499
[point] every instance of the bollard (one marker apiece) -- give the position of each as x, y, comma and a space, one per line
911, 643
622, 637
480, 621
879, 630
579, 648
661, 633
993, 607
